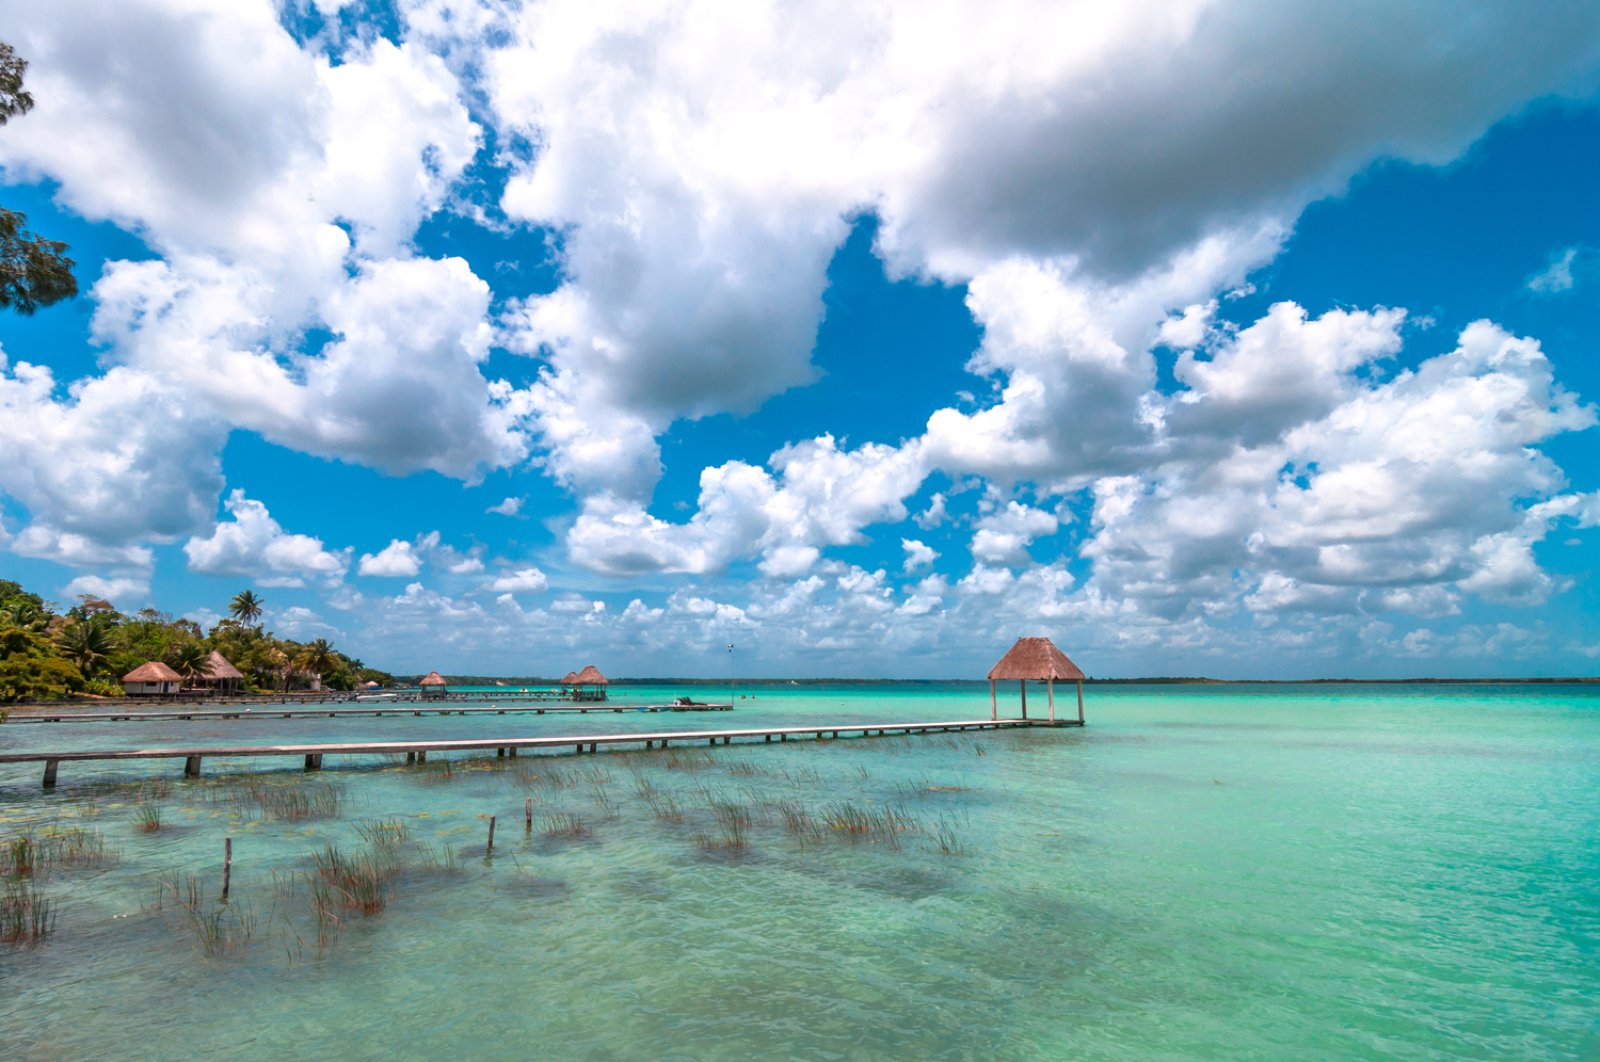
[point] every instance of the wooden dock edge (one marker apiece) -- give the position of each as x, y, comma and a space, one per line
417, 751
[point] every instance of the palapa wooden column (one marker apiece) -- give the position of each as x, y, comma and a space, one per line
994, 702
1050, 691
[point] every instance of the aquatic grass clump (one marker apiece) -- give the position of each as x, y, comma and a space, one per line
359, 882
309, 800
564, 825
147, 817
26, 917
534, 776
733, 828
947, 838
798, 822
384, 833
859, 823
29, 855
434, 772
219, 928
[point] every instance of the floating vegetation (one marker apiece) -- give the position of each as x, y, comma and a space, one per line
26, 917
29, 855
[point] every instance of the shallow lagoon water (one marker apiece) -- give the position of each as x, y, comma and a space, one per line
1306, 871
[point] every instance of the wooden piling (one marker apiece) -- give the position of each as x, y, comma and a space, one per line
50, 772
191, 767
227, 865
490, 847
527, 811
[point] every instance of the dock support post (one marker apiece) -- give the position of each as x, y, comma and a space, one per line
50, 772
411, 757
1080, 702
512, 752
1050, 690
422, 756
191, 767
313, 761
500, 753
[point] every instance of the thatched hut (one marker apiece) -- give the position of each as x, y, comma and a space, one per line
1035, 660
434, 685
220, 675
590, 676
154, 679
571, 679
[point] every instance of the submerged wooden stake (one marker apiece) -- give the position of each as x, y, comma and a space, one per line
227, 865
490, 847
527, 810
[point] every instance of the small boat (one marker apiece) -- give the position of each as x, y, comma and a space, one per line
377, 697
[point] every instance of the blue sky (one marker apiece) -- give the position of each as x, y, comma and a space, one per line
503, 338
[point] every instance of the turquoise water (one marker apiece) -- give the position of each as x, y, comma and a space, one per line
1270, 872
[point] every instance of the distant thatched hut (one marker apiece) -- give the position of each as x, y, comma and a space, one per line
220, 675
151, 680
1036, 660
434, 685
590, 676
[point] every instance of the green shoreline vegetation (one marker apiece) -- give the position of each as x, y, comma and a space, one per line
46, 654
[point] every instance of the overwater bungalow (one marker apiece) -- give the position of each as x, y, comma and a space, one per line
590, 677
434, 685
153, 679
1035, 660
220, 675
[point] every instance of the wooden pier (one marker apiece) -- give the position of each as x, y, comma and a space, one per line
137, 715
417, 751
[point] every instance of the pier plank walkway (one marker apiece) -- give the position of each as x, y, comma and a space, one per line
417, 751
257, 712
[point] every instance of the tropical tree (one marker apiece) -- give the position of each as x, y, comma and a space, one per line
318, 656
246, 607
34, 271
86, 644
190, 659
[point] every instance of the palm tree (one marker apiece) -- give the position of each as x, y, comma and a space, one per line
85, 644
190, 660
318, 656
246, 607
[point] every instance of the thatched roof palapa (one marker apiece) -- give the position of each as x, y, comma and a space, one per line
218, 667
572, 677
1037, 659
154, 671
590, 676
433, 679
